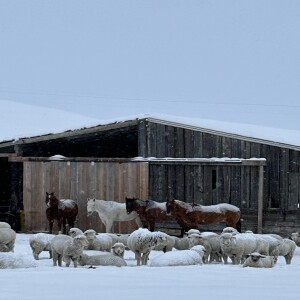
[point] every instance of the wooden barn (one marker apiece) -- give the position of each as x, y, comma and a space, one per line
151, 158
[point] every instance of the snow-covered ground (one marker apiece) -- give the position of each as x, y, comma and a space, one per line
211, 281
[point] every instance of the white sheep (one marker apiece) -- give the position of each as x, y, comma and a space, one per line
101, 260
100, 241
67, 248
142, 241
118, 249
181, 243
7, 239
4, 225
15, 261
240, 245
296, 238
212, 245
257, 260
193, 256
74, 232
40, 242
286, 248
119, 238
167, 246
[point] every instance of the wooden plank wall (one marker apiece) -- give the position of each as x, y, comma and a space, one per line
79, 181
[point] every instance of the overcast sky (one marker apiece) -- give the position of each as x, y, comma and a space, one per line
227, 60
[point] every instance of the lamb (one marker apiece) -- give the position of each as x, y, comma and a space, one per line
101, 260
192, 256
239, 245
296, 238
100, 242
118, 249
257, 260
286, 249
40, 242
7, 239
4, 225
142, 241
15, 261
212, 245
74, 232
68, 248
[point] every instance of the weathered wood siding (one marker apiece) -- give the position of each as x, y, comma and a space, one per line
210, 185
79, 181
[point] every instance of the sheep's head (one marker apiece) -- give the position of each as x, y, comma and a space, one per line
194, 239
199, 249
90, 234
74, 231
255, 256
81, 239
227, 239
230, 230
118, 249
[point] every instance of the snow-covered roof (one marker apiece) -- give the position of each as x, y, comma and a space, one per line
259, 134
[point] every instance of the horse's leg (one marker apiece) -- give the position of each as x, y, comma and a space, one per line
64, 224
138, 222
51, 226
109, 226
152, 225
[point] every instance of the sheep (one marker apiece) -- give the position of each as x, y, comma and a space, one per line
100, 242
118, 249
295, 236
191, 256
119, 238
74, 232
142, 241
4, 225
168, 246
15, 261
101, 260
239, 245
40, 242
181, 243
7, 239
212, 245
257, 260
68, 248
286, 249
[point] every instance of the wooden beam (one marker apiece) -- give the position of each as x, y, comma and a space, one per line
260, 199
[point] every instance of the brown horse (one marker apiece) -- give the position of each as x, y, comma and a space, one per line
192, 215
63, 211
149, 211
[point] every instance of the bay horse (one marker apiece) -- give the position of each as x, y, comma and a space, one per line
193, 215
63, 211
150, 211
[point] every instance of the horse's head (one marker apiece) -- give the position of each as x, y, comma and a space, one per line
90, 206
130, 204
51, 199
170, 205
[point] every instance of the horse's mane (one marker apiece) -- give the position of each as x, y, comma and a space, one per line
188, 206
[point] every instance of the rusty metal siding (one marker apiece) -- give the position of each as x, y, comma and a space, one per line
79, 181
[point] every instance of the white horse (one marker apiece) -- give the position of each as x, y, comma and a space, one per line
111, 211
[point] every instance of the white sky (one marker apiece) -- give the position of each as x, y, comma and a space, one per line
231, 60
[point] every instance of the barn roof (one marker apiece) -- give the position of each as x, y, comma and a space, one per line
271, 136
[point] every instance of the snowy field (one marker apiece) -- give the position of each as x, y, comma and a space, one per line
211, 281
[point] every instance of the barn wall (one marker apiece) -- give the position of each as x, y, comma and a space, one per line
233, 185
79, 181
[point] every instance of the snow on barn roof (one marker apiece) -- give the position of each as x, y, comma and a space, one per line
259, 134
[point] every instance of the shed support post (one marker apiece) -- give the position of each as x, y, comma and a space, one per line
260, 198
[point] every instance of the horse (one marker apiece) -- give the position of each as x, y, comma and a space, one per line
193, 215
63, 211
150, 211
111, 211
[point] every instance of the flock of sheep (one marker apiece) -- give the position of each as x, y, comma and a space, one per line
247, 249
